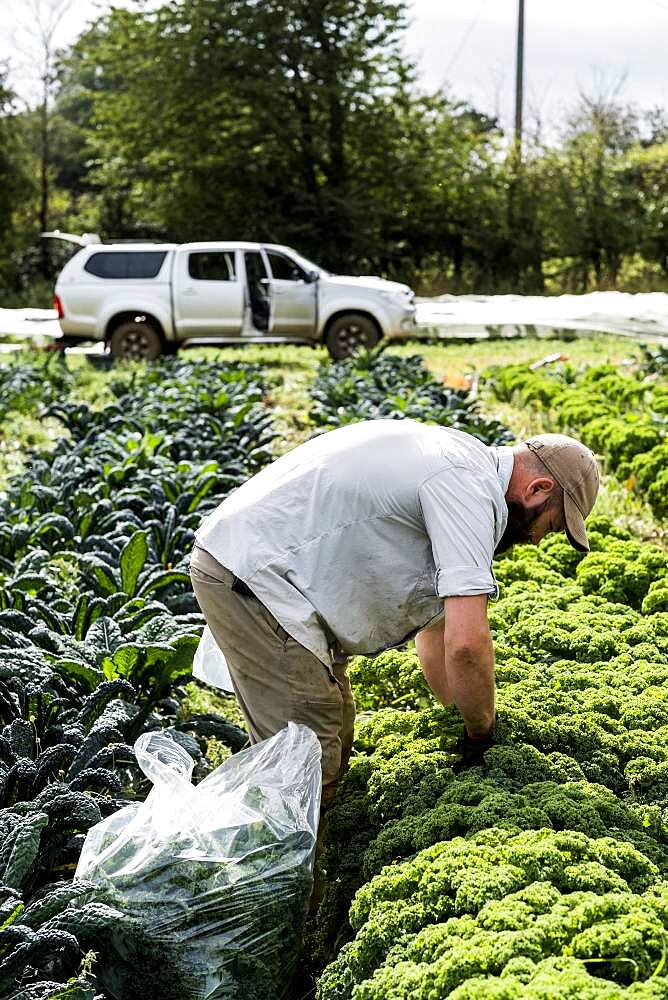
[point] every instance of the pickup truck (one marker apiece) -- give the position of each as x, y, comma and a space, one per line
146, 299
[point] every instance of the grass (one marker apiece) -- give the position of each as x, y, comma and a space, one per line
19, 433
92, 384
290, 402
628, 511
446, 358
442, 356
200, 699
294, 368
22, 432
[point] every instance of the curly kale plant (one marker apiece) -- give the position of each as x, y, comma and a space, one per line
620, 416
468, 907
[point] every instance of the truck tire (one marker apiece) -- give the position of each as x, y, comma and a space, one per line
136, 341
349, 332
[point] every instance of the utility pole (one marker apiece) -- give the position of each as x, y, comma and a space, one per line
519, 77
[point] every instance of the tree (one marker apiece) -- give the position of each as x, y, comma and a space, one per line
39, 50
14, 181
236, 119
644, 172
9, 171
588, 213
299, 122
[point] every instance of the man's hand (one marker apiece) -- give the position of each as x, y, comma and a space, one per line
457, 660
471, 750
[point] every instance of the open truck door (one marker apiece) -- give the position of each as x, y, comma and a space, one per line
294, 296
82, 241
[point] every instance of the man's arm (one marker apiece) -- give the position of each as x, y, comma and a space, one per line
430, 650
457, 660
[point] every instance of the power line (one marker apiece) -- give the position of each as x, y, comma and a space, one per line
465, 39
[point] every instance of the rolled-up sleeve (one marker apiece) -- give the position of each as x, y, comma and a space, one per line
460, 519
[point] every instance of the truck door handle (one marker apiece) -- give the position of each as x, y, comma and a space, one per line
189, 291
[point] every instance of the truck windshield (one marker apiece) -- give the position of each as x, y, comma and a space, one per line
307, 264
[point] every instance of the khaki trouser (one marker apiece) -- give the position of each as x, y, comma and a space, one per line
276, 680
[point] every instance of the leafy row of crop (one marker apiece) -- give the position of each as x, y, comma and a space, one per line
654, 358
26, 386
623, 417
98, 627
542, 873
373, 384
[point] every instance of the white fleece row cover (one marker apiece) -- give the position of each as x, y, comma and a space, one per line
641, 315
446, 316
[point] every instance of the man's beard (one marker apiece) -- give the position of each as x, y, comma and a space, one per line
520, 523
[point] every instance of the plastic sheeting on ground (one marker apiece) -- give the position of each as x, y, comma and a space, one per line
642, 315
486, 316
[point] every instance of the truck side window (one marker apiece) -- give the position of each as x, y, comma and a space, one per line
125, 264
211, 266
283, 268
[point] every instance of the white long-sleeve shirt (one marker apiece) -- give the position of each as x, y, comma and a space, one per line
356, 536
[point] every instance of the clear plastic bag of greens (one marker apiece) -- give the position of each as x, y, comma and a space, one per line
210, 882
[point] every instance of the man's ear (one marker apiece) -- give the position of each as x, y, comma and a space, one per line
537, 490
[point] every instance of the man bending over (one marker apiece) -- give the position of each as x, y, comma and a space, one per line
363, 538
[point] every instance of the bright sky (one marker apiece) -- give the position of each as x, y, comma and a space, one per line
570, 46
469, 45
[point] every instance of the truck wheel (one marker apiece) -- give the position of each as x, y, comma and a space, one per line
350, 332
136, 341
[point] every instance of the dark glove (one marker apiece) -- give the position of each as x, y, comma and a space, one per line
471, 750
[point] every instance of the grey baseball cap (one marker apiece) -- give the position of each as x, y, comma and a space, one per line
574, 467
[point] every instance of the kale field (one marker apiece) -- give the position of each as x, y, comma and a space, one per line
543, 874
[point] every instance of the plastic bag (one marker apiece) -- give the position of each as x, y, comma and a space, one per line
209, 663
211, 882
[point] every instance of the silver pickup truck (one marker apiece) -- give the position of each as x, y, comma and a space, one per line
145, 299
